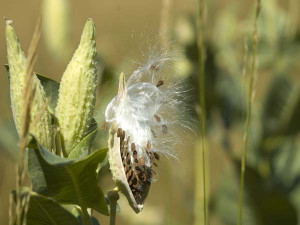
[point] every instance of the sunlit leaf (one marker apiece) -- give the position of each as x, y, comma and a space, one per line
68, 181
82, 149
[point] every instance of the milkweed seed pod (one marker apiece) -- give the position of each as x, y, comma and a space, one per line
56, 24
77, 92
145, 124
42, 130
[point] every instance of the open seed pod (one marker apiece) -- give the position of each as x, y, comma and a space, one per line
131, 168
146, 122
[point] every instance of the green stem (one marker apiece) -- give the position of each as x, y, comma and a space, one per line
249, 111
113, 198
87, 219
201, 53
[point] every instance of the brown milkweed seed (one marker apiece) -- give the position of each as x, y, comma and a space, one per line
157, 118
164, 129
156, 155
159, 83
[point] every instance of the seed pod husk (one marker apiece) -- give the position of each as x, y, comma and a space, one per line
77, 92
42, 130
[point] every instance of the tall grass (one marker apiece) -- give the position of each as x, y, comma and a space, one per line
201, 171
164, 34
22, 205
164, 26
249, 109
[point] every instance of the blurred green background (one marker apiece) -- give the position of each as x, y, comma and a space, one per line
126, 32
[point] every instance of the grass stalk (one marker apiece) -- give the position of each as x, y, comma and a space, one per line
86, 217
202, 56
164, 26
249, 109
22, 205
164, 34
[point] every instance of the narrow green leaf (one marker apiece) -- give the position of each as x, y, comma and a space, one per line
82, 149
51, 88
67, 181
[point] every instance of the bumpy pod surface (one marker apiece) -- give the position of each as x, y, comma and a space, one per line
17, 70
77, 92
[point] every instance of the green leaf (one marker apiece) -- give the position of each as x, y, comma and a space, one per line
82, 149
78, 213
9, 139
51, 88
67, 181
43, 210
281, 107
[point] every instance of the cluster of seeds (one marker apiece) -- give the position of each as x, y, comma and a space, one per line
146, 119
138, 174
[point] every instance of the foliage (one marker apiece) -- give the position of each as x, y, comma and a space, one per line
272, 171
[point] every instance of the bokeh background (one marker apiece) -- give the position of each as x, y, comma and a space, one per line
126, 33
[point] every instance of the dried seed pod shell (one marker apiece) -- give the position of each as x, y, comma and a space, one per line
77, 93
42, 130
150, 115
117, 169
121, 166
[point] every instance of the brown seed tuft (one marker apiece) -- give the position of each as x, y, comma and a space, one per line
148, 146
132, 147
119, 132
157, 118
154, 67
164, 129
156, 155
104, 125
159, 83
134, 153
142, 161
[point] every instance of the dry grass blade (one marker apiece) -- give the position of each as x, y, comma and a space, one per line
29, 91
249, 109
41, 113
165, 23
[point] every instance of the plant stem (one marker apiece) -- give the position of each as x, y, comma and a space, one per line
87, 219
249, 110
113, 198
164, 26
201, 53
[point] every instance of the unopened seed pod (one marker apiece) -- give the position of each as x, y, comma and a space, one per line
77, 92
17, 69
